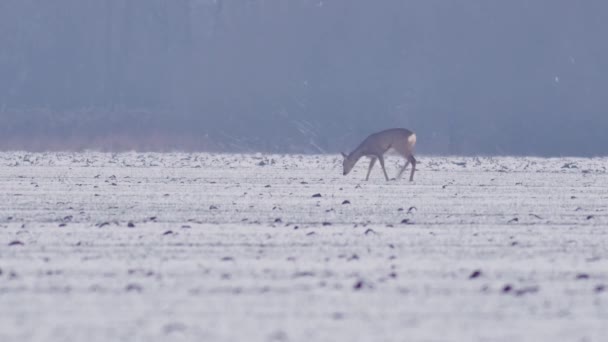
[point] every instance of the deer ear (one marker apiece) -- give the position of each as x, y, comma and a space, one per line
344, 155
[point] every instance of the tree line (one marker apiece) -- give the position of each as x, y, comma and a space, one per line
470, 77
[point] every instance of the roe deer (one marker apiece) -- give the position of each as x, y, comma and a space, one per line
377, 144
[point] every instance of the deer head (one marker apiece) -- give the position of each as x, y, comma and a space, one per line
348, 163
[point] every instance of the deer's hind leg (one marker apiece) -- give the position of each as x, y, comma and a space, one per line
407, 162
406, 153
412, 160
371, 166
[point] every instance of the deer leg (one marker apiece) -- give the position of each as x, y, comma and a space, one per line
413, 161
405, 153
407, 162
381, 160
371, 166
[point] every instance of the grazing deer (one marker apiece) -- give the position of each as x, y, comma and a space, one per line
377, 144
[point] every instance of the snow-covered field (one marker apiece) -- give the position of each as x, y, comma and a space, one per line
208, 247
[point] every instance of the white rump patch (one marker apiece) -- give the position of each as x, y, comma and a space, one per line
411, 140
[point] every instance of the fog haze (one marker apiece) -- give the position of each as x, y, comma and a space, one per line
471, 77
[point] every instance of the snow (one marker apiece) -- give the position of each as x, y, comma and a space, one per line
229, 247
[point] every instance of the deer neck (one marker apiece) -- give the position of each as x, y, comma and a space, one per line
356, 154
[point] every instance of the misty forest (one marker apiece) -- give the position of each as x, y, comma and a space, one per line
471, 77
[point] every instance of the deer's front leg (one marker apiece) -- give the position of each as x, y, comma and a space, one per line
371, 165
381, 159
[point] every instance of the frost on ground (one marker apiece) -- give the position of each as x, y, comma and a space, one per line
208, 247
